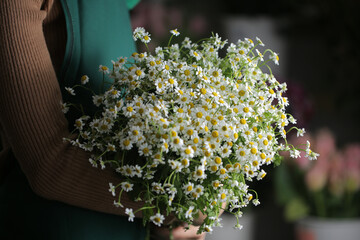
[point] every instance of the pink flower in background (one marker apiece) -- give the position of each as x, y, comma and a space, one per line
316, 177
352, 167
325, 144
336, 174
337, 170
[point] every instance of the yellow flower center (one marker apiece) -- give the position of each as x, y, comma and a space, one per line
217, 160
215, 134
214, 168
138, 72
190, 132
135, 132
236, 136
185, 162
253, 150
126, 142
203, 91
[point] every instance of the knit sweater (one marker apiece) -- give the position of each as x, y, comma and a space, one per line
32, 125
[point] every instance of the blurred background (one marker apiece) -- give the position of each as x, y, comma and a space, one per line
318, 45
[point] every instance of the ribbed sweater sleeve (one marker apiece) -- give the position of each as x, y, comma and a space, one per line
32, 120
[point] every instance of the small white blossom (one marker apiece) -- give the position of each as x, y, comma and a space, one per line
175, 32
112, 189
70, 91
157, 219
130, 213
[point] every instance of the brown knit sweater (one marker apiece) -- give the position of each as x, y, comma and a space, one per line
32, 46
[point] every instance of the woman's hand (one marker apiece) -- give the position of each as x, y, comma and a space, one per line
179, 233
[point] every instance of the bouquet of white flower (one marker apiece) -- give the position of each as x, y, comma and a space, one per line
186, 128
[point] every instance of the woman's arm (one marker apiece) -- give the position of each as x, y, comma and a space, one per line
32, 120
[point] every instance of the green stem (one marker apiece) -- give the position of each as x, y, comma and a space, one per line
171, 236
147, 237
170, 40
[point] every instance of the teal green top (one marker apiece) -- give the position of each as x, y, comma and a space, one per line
98, 31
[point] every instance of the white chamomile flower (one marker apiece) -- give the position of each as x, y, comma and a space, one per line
309, 153
238, 226
261, 57
188, 188
258, 40
126, 186
104, 69
93, 162
187, 152
64, 107
112, 189
121, 61
189, 212
256, 202
70, 91
98, 100
223, 195
138, 31
146, 38
157, 219
294, 153
300, 132
275, 58
84, 79
118, 204
208, 229
195, 54
130, 213
175, 32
